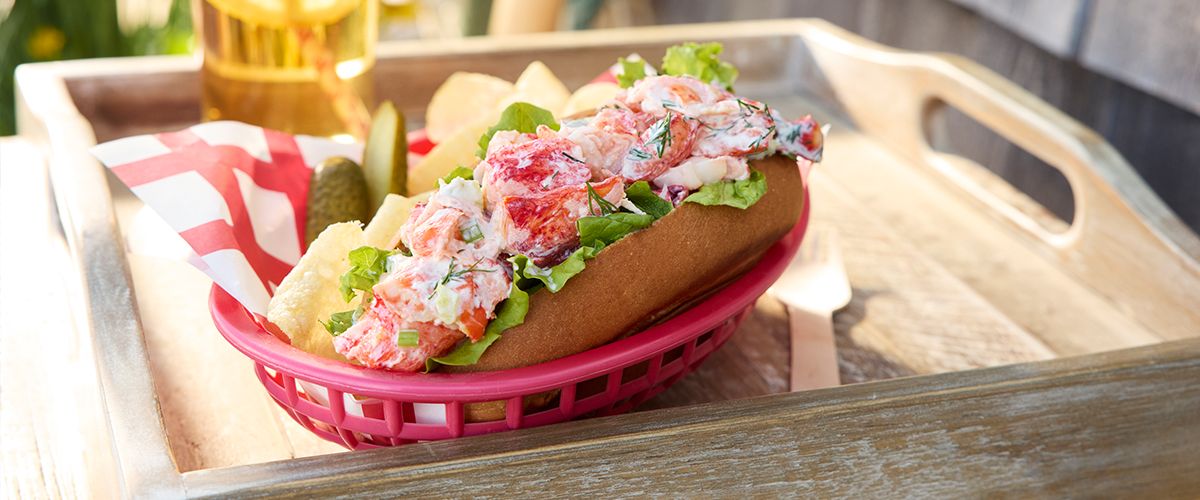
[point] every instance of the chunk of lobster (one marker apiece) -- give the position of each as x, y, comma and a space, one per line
443, 292
373, 341
604, 140
658, 94
529, 168
434, 232
542, 226
450, 223
803, 137
662, 145
734, 127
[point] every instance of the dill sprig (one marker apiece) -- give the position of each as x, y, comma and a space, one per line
660, 135
452, 274
747, 106
763, 139
606, 207
638, 154
794, 134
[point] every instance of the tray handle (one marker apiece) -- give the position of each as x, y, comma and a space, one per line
1123, 240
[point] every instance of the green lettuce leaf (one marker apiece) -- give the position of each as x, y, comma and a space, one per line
367, 265
740, 194
554, 278
511, 313
640, 194
632, 70
595, 233
339, 322
459, 172
467, 353
700, 61
520, 116
599, 232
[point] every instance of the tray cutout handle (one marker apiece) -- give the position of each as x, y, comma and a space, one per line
1123, 240
978, 180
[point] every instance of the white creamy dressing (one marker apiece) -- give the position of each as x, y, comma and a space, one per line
698, 171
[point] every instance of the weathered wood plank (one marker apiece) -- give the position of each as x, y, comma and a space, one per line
49, 416
1154, 46
980, 250
1011, 430
908, 316
105, 310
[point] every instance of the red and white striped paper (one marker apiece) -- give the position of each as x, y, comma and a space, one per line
236, 193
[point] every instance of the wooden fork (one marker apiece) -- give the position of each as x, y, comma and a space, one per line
813, 287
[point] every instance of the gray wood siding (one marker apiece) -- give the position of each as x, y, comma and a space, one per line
1152, 45
1054, 25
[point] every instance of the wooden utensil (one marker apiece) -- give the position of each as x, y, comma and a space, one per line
813, 287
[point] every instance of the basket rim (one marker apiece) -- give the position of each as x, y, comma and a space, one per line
239, 328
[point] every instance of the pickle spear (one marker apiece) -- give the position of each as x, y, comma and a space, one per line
385, 159
337, 192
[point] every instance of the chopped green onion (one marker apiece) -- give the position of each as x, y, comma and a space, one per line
407, 338
471, 232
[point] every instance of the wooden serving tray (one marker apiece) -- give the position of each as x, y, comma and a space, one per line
952, 270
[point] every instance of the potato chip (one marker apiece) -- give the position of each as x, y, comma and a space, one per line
381, 232
458, 149
590, 97
309, 294
461, 100
537, 85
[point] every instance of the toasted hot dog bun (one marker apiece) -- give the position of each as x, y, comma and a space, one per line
646, 276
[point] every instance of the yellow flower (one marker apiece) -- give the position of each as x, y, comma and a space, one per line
46, 43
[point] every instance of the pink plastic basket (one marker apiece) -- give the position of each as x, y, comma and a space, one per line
364, 408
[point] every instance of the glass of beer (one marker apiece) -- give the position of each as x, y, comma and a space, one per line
300, 66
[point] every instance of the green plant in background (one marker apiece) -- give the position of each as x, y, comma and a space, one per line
51, 30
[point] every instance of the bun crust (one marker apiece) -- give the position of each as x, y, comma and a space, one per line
646, 276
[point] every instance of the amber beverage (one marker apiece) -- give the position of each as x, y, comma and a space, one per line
300, 66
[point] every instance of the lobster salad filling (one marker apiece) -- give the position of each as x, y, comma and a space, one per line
547, 196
